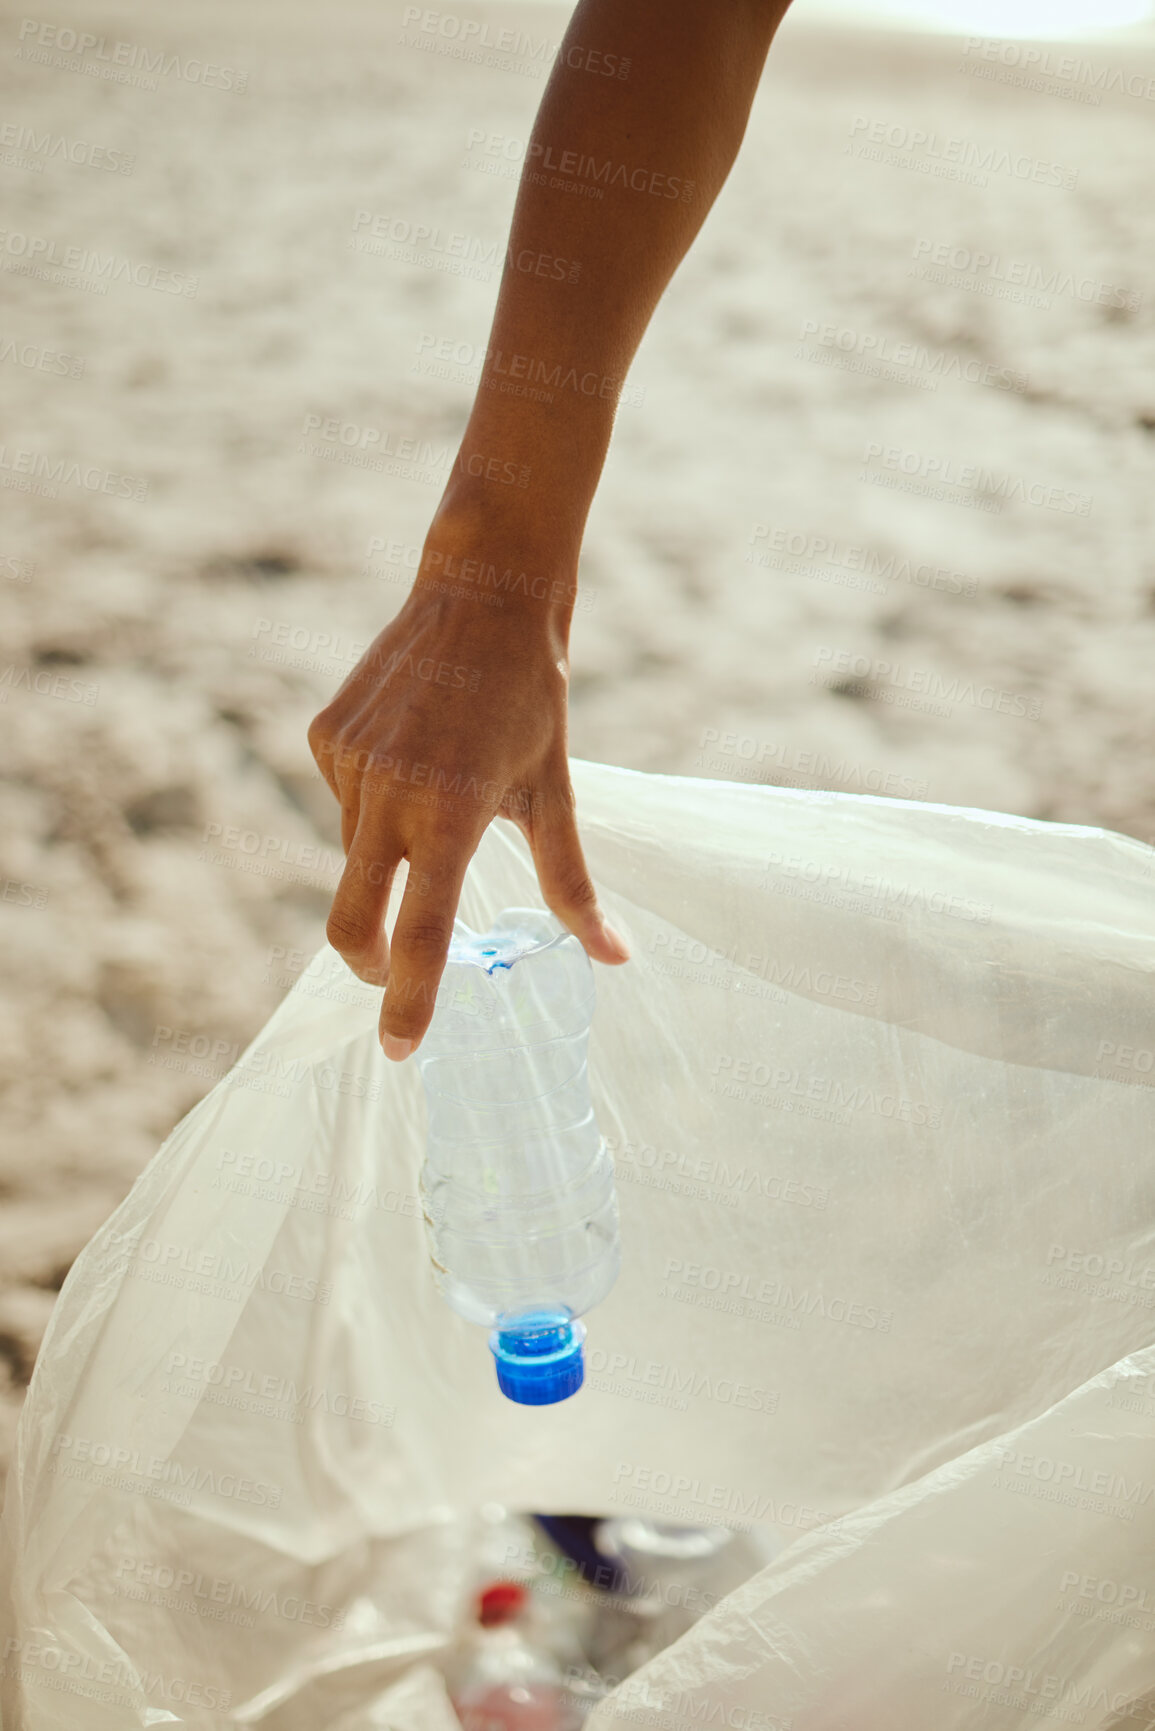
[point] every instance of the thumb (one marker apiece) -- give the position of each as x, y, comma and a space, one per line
565, 881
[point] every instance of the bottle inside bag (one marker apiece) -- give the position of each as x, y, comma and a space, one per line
504, 1680
518, 1185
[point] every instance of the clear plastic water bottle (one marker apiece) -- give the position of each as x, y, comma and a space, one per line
518, 1185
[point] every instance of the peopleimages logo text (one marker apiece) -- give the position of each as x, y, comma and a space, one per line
1068, 68
39, 39
967, 153
997, 484
968, 261
42, 252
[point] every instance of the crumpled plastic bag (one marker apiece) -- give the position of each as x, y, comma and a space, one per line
878, 1084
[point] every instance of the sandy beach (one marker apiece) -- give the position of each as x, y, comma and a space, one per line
877, 516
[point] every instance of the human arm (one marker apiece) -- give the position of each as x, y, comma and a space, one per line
420, 767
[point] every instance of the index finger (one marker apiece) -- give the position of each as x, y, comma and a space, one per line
420, 944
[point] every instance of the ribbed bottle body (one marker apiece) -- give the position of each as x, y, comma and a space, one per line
518, 1185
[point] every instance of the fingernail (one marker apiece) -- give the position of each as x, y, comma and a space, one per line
396, 1048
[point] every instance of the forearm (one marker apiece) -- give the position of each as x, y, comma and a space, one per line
640, 161
493, 596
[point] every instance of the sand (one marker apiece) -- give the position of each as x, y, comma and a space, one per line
885, 415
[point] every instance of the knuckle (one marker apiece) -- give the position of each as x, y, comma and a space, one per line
349, 931
449, 836
574, 887
320, 735
348, 763
424, 939
371, 770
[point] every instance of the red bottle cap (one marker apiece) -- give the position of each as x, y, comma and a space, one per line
500, 1601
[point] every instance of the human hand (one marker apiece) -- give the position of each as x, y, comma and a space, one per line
455, 714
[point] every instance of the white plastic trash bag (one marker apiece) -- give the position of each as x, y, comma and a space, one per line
878, 1086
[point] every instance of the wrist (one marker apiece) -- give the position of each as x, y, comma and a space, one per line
504, 564
533, 466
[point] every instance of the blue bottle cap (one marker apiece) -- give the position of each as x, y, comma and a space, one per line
539, 1358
